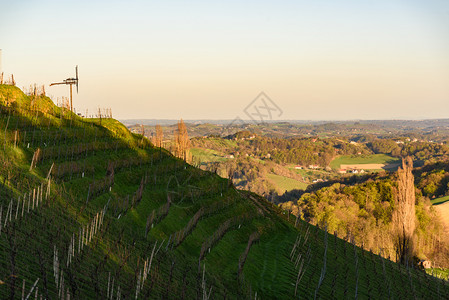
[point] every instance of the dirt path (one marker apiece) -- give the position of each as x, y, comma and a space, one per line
443, 209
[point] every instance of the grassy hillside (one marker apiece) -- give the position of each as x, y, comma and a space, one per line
207, 155
287, 184
89, 210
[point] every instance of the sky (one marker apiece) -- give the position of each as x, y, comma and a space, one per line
316, 60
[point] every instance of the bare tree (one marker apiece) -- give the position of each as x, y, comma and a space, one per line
159, 136
182, 141
404, 213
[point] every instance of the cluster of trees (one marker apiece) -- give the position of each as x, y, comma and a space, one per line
385, 146
250, 174
419, 150
304, 151
308, 151
158, 138
180, 146
372, 212
433, 180
246, 174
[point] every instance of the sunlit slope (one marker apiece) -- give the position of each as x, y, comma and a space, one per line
91, 211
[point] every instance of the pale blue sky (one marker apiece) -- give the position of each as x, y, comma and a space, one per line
209, 59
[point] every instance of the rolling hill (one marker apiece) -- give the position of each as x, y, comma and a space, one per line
89, 210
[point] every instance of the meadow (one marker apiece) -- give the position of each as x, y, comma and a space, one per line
285, 183
207, 155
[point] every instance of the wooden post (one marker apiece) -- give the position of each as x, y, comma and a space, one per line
23, 289
79, 241
23, 203
109, 281
34, 196
15, 138
6, 128
32, 288
71, 107
37, 197
17, 208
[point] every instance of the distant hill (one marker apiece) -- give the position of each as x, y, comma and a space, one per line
90, 210
359, 131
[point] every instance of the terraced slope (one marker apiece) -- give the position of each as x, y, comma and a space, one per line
90, 211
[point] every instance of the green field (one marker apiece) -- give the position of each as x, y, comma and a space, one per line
440, 200
207, 155
362, 159
287, 184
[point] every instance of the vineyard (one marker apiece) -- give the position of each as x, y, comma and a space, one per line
89, 210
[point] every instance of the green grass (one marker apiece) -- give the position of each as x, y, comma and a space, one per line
285, 183
207, 155
362, 159
440, 200
438, 272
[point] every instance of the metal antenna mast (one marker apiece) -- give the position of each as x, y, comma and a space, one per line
70, 81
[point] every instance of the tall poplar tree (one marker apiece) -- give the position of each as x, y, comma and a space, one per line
404, 213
